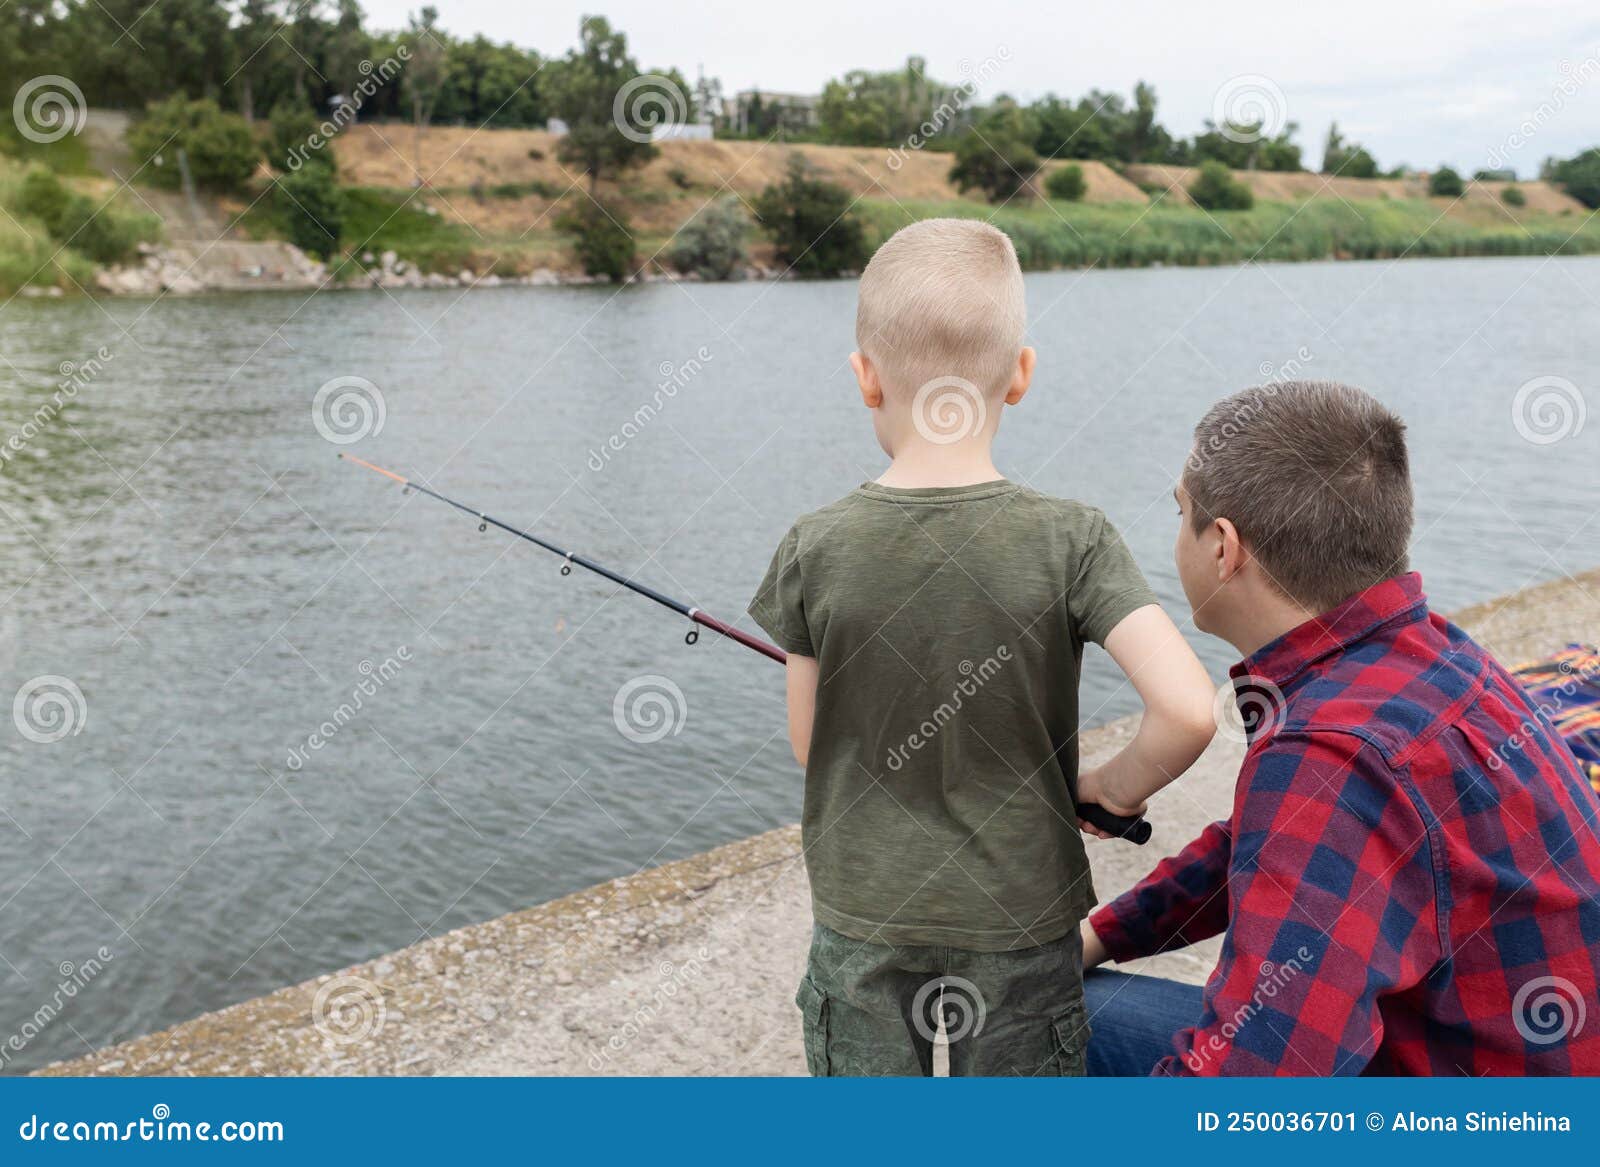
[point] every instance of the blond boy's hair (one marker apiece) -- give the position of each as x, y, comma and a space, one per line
942, 298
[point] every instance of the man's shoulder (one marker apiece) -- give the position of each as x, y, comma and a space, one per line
1393, 692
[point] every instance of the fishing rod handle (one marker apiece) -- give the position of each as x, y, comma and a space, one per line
743, 637
1134, 828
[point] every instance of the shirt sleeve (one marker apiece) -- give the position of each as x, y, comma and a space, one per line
1108, 585
779, 605
1182, 902
1332, 909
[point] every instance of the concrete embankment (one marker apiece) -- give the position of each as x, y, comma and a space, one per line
688, 968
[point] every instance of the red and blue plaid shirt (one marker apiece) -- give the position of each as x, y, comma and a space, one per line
1410, 880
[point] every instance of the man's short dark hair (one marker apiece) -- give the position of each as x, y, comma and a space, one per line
1314, 476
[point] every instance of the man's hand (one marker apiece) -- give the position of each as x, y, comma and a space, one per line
1091, 788
1094, 952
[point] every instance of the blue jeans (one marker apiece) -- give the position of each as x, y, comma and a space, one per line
1133, 1020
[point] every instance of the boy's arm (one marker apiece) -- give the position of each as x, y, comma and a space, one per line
1178, 723
802, 700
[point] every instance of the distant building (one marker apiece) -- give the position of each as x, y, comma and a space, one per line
557, 127
687, 132
767, 111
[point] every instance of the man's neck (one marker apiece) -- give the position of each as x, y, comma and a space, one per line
1269, 619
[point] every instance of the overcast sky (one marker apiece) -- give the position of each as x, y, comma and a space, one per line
1416, 81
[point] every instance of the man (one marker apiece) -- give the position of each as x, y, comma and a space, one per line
1409, 882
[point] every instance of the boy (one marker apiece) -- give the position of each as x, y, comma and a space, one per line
935, 621
1409, 882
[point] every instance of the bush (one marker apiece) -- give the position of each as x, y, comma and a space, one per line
1217, 190
712, 243
996, 163
105, 234
601, 239
1512, 196
1446, 183
1580, 176
43, 196
679, 177
222, 151
290, 133
811, 224
312, 209
1066, 184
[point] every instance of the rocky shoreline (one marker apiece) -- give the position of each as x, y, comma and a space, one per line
194, 269
687, 968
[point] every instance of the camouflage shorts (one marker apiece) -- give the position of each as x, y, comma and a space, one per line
875, 1009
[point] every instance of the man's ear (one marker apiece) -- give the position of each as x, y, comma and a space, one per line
1023, 377
867, 378
1230, 550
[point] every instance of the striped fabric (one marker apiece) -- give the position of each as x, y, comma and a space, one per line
1565, 687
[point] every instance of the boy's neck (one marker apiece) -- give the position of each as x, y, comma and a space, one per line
924, 465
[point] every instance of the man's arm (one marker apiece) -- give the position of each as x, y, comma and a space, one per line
1183, 901
1178, 720
1332, 907
802, 701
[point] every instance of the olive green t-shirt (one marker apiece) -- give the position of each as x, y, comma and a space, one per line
948, 625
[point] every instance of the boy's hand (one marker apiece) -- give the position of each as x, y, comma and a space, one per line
1091, 789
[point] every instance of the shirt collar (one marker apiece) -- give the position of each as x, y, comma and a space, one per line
1279, 661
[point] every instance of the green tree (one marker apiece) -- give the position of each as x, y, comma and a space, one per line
1512, 196
312, 207
221, 151
1446, 183
1346, 159
1217, 190
598, 90
423, 75
996, 156
1580, 176
810, 223
886, 109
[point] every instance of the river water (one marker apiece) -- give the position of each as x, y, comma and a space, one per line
181, 546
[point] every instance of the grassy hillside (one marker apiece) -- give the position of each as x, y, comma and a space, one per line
492, 198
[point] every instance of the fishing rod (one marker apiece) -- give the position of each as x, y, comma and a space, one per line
1135, 830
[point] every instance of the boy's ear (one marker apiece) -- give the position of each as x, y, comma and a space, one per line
867, 378
1023, 377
